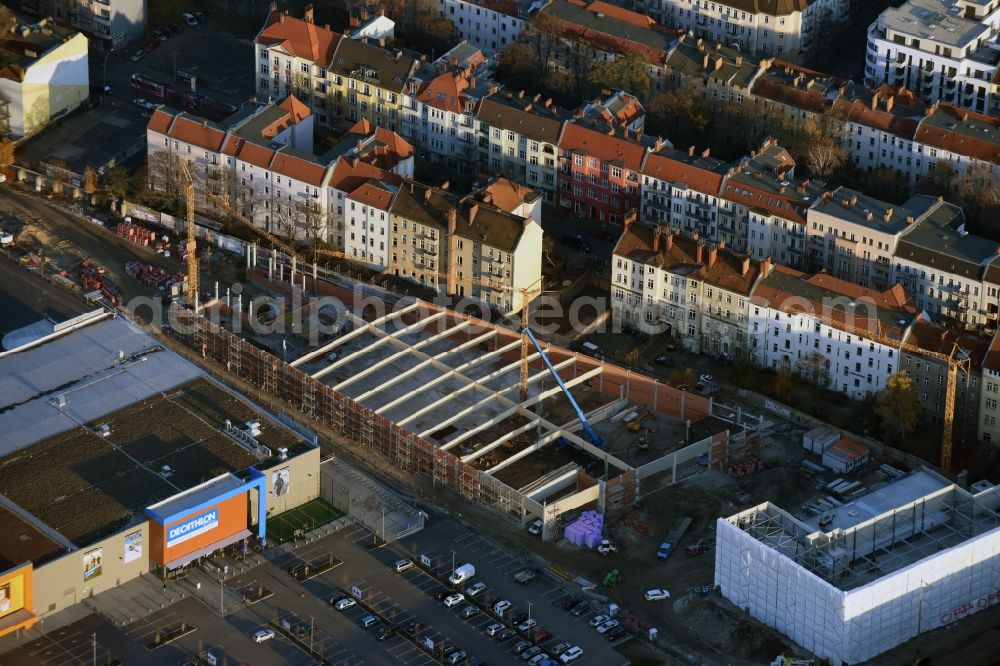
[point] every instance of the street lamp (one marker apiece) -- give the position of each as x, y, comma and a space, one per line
453, 561
383, 524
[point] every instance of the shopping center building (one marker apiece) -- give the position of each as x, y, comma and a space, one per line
119, 458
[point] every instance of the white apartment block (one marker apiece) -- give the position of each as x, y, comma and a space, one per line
945, 50
366, 223
796, 320
680, 190
951, 274
783, 28
488, 24
439, 107
684, 288
114, 22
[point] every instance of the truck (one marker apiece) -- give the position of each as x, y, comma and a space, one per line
673, 537
525, 576
606, 547
462, 574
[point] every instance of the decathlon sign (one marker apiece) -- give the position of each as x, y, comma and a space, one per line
192, 527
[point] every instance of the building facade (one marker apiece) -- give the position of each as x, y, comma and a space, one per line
600, 173
113, 22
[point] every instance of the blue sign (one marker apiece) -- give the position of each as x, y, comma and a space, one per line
192, 527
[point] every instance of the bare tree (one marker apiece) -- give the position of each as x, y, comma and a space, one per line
824, 156
164, 173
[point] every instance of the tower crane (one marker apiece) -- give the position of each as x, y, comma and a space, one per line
190, 246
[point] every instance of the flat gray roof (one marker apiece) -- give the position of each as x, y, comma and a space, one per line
840, 206
99, 369
885, 499
933, 20
198, 495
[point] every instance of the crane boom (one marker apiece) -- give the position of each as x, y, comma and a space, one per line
596, 439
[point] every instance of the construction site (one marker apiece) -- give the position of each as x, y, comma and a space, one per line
454, 398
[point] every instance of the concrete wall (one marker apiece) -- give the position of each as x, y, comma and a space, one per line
60, 583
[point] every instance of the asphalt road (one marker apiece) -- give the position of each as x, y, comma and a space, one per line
26, 298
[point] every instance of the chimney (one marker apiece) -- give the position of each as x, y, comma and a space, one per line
889, 102
713, 254
854, 199
381, 42
427, 194
746, 265
445, 185
487, 197
520, 94
694, 236
473, 209
411, 187
875, 101
537, 98
548, 102
704, 61
452, 220
706, 152
353, 22
204, 123
668, 234
656, 239
363, 14
765, 267
888, 214
739, 60
910, 220
699, 253
869, 216
360, 145
281, 18
307, 15
690, 151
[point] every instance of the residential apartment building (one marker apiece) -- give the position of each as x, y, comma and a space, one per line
854, 237
264, 165
114, 23
439, 107
292, 57
368, 81
518, 138
680, 190
615, 108
366, 223
45, 75
489, 25
930, 376
989, 412
948, 271
487, 245
763, 201
599, 31
945, 50
789, 28
600, 173
827, 328
690, 290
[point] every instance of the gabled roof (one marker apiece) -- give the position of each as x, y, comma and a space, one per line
507, 194
298, 168
423, 204
388, 69
491, 226
160, 121
296, 109
444, 92
962, 132
196, 133
836, 301
299, 38
534, 121
674, 166
249, 152
373, 193
609, 148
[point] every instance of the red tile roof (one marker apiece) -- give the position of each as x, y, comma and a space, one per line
992, 360
373, 193
445, 92
506, 194
248, 152
298, 168
937, 338
786, 205
351, 173
962, 143
299, 38
675, 171
606, 147
863, 114
812, 99
160, 121
197, 133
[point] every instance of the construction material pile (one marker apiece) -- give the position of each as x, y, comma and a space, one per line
92, 277
150, 275
586, 530
133, 233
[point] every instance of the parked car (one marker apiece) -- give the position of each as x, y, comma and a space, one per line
664, 361
538, 659
597, 620
262, 635
385, 632
606, 626
138, 55
581, 608
505, 635
368, 621
453, 599
475, 589
402, 565
469, 611
501, 607
530, 652
142, 103
494, 629
542, 635
560, 648
189, 18
455, 657
528, 624
161, 35
615, 633
571, 655
657, 594
344, 603
535, 527
521, 647
152, 45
